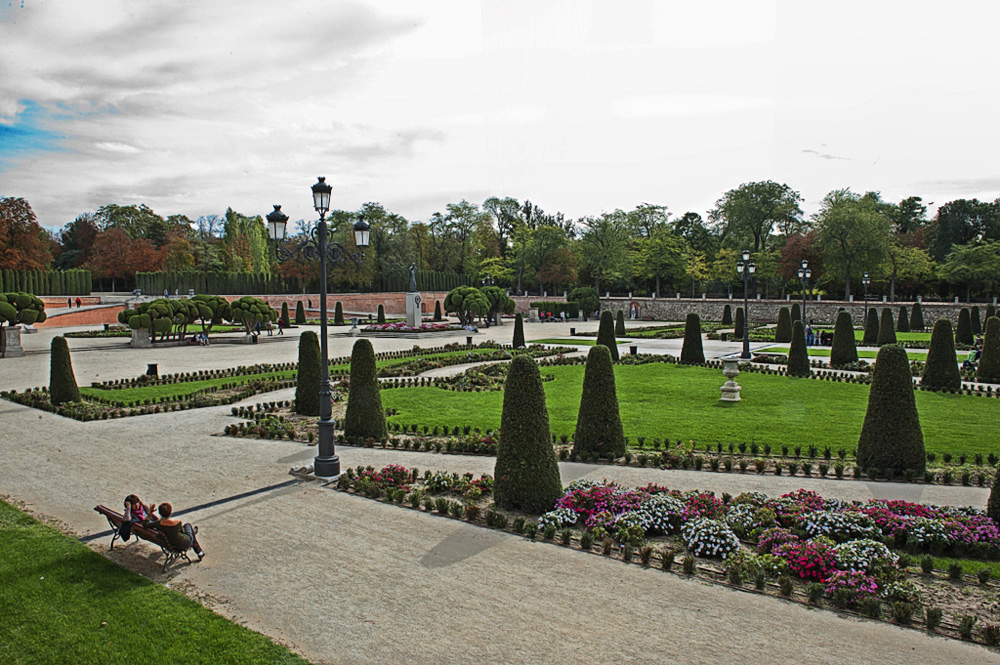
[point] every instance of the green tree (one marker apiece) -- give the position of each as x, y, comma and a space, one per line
663, 255
871, 328
365, 417
891, 438
587, 298
599, 425
988, 370
903, 324
499, 303
963, 222
853, 233
338, 314
796, 312
977, 326
308, 376
249, 311
783, 333
798, 355
300, 313
844, 349
285, 321
24, 245
974, 266
963, 333
62, 381
518, 340
692, 352
748, 214
526, 473
917, 318
886, 329
603, 246
17, 308
467, 303
727, 315
941, 369
606, 334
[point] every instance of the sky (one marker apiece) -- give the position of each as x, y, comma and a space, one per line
581, 106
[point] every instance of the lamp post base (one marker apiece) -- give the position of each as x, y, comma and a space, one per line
326, 467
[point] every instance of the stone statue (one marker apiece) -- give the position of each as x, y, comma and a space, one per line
413, 278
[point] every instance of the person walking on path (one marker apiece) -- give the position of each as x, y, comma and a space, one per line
281, 327
69, 303
78, 303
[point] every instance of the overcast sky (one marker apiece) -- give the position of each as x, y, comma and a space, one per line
582, 106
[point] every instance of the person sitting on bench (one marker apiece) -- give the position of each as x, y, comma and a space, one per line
181, 536
136, 512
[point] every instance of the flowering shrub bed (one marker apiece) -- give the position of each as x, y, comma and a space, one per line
857, 583
809, 559
709, 538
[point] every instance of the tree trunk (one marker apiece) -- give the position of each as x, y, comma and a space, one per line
847, 284
892, 286
657, 286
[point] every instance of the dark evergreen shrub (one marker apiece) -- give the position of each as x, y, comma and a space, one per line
798, 356
381, 313
307, 381
903, 323
917, 317
727, 315
844, 349
963, 333
886, 330
738, 323
977, 327
871, 328
598, 425
891, 438
437, 311
365, 417
796, 312
993, 505
606, 334
988, 370
62, 381
526, 476
338, 314
620, 324
692, 352
990, 311
783, 333
300, 313
518, 341
285, 321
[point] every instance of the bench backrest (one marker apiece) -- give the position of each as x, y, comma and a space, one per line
152, 535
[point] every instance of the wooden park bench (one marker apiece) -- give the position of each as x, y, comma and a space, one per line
170, 553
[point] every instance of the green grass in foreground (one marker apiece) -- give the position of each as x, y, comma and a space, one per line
900, 337
912, 354
682, 402
64, 603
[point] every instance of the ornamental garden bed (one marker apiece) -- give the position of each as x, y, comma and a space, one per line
879, 559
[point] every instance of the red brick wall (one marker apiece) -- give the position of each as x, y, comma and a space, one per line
81, 317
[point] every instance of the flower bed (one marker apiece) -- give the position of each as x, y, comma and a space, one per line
402, 327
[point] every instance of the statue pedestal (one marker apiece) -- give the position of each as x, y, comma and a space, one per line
730, 389
10, 342
413, 316
140, 339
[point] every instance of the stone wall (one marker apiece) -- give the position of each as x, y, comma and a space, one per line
354, 304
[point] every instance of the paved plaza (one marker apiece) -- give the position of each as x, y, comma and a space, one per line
345, 580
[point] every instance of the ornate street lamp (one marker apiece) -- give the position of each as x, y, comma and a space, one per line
746, 267
866, 280
804, 274
316, 248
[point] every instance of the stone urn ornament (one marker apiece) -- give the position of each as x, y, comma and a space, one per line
730, 389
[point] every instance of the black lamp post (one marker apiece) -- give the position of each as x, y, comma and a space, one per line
746, 267
315, 247
866, 280
804, 274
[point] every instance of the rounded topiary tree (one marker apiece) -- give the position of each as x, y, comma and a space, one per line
300, 313
467, 303
988, 370
941, 369
886, 330
917, 317
62, 381
798, 355
692, 352
903, 322
783, 333
338, 314
308, 375
247, 311
891, 437
599, 424
285, 321
381, 313
844, 349
977, 326
993, 505
19, 307
620, 324
738, 324
518, 341
870, 337
606, 334
727, 315
796, 312
365, 417
437, 311
963, 332
526, 475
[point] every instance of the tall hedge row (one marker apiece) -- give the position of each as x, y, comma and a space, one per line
73, 282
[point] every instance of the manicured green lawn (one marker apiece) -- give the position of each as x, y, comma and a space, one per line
682, 402
900, 337
912, 354
569, 342
62, 603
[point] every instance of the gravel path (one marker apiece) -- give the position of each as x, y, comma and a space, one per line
347, 580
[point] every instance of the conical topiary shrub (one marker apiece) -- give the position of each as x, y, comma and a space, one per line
620, 324
518, 341
738, 324
338, 314
783, 332
977, 326
727, 316
886, 330
62, 381
796, 312
526, 475
990, 311
993, 505
844, 350
870, 337
963, 332
307, 380
692, 352
285, 321
606, 334
891, 437
917, 318
941, 369
988, 370
798, 356
599, 424
381, 313
903, 322
437, 311
300, 313
365, 417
